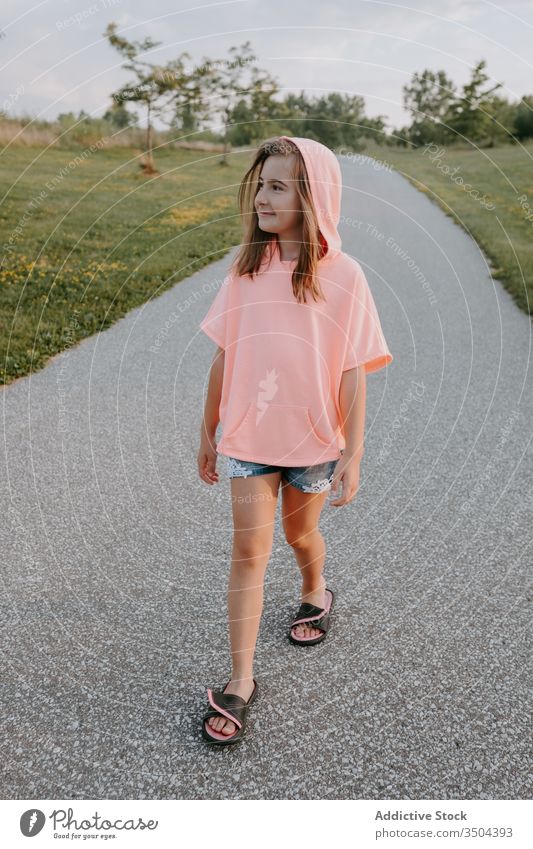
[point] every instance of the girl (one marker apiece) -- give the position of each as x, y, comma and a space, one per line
297, 331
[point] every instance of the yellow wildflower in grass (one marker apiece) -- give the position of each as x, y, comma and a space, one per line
190, 216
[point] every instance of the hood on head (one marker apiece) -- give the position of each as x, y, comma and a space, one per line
325, 180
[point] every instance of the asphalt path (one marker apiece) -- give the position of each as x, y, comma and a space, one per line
116, 554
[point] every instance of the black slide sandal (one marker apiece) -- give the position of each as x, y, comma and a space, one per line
317, 617
232, 707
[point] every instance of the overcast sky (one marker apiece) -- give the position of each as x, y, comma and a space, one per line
53, 61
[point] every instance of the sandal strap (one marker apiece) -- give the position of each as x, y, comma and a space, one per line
321, 623
228, 704
308, 613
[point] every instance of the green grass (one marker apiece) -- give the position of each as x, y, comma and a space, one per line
501, 175
102, 240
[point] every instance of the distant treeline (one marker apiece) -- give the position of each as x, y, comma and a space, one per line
233, 103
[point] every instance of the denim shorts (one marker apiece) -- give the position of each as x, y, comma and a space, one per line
305, 478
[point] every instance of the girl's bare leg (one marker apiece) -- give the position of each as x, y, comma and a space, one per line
300, 514
254, 502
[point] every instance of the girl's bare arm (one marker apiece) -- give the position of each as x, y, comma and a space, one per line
207, 454
352, 404
212, 402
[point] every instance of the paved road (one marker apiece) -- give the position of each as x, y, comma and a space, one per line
113, 606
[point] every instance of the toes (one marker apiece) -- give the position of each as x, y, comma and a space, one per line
311, 632
306, 632
220, 724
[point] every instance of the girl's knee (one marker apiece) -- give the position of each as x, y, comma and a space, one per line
251, 546
298, 537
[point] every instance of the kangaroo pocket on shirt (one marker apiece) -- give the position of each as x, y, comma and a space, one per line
281, 432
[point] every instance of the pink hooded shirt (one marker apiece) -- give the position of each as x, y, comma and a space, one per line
283, 361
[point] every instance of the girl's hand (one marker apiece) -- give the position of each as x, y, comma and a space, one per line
347, 471
207, 462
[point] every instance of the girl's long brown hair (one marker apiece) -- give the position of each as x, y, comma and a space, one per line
254, 245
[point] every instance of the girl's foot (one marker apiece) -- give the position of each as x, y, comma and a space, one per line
242, 687
318, 598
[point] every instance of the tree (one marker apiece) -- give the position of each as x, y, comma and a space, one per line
229, 89
333, 119
119, 117
471, 114
502, 124
339, 119
429, 98
191, 108
523, 122
154, 83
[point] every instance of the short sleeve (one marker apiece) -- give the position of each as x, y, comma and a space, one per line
365, 343
215, 323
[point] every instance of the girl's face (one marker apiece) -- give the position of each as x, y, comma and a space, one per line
277, 202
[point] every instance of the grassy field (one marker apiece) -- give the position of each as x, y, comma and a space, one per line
492, 177
84, 241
